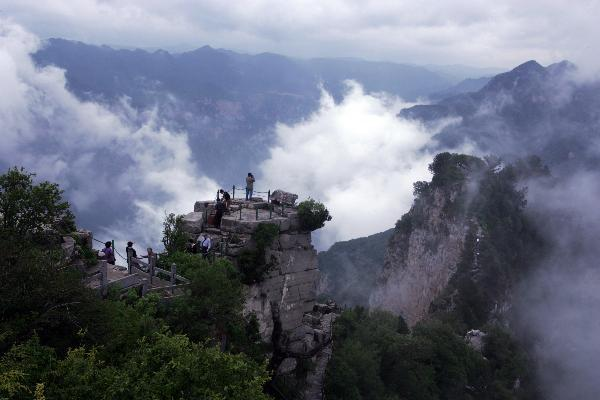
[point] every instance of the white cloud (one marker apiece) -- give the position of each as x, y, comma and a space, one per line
502, 33
357, 157
122, 176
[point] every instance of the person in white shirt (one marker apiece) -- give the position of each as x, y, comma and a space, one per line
205, 244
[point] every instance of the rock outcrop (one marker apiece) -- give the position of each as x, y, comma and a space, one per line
284, 299
421, 258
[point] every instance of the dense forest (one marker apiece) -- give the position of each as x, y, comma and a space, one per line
60, 340
377, 356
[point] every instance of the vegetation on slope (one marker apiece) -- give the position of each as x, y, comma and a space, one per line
375, 357
58, 339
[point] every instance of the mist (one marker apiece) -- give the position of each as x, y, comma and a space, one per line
357, 157
118, 175
559, 306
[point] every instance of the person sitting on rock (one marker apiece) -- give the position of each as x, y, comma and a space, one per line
249, 186
109, 253
205, 245
191, 247
226, 199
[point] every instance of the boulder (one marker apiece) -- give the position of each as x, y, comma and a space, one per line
282, 197
68, 246
193, 222
83, 237
474, 339
287, 366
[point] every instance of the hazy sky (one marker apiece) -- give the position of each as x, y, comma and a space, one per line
499, 33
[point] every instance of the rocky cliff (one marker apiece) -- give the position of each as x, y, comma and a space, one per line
464, 243
421, 256
283, 295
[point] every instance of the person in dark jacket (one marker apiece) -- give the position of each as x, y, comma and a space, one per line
226, 199
220, 207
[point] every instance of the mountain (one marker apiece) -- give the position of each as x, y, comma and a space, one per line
529, 110
228, 102
349, 268
464, 86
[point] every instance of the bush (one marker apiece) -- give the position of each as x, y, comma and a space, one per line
312, 215
252, 263
174, 238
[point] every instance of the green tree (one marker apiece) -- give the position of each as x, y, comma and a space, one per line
174, 238
312, 215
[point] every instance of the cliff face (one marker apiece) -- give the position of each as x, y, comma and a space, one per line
283, 298
421, 259
464, 244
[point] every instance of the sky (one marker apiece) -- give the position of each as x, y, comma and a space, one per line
480, 33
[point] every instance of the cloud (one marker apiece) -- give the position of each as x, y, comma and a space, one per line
357, 157
502, 34
117, 175
559, 306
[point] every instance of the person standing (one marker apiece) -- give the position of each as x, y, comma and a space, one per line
220, 208
249, 186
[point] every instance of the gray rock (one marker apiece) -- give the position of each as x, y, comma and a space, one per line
474, 339
295, 241
287, 365
284, 197
193, 223
68, 246
84, 237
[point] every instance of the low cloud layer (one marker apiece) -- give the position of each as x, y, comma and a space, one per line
560, 305
501, 34
117, 175
357, 157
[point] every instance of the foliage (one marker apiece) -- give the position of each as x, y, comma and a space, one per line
252, 263
376, 357
174, 238
58, 339
159, 366
186, 263
212, 304
30, 209
312, 215
451, 169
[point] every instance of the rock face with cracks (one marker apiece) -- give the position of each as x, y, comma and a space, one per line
284, 299
420, 261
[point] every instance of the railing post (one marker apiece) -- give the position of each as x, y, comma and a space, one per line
257, 214
173, 276
269, 196
144, 286
233, 192
270, 211
129, 261
103, 277
151, 262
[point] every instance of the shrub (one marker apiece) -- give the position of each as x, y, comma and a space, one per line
312, 214
174, 238
252, 263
